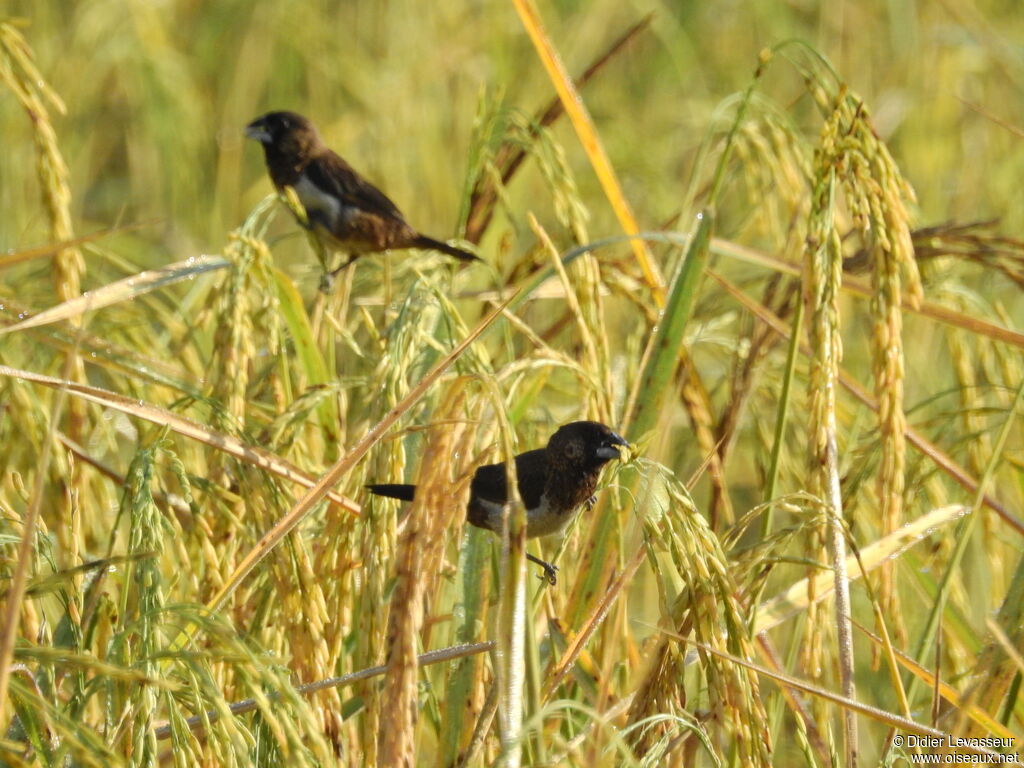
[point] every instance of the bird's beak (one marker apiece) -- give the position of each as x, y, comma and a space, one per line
609, 449
257, 131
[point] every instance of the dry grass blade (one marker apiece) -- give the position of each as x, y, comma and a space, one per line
860, 288
122, 290
42, 251
775, 611
249, 705
945, 690
108, 355
251, 454
590, 626
1014, 129
591, 142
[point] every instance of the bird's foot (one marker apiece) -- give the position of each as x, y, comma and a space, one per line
550, 574
550, 571
344, 264
327, 278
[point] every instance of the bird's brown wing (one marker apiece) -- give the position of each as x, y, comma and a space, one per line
489, 482
333, 175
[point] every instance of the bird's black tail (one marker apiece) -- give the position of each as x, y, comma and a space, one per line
430, 244
393, 491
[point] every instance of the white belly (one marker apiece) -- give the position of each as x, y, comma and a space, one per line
540, 522
321, 208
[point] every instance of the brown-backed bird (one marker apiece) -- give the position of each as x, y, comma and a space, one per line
345, 211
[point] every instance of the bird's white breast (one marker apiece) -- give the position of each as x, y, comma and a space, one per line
541, 521
321, 207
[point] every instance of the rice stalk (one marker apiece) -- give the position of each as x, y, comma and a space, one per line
878, 196
510, 623
822, 277
20, 74
697, 403
418, 548
679, 542
15, 610
142, 604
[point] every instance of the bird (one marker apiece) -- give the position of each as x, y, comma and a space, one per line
554, 483
344, 210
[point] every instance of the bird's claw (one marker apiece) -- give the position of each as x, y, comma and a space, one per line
550, 574
341, 268
549, 569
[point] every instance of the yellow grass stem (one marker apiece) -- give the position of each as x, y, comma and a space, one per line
591, 142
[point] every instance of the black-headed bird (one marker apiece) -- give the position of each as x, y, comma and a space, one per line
554, 482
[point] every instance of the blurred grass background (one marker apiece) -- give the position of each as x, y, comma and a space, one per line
419, 97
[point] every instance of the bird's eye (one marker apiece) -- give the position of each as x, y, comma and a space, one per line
574, 450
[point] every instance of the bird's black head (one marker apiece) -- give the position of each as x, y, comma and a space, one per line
286, 133
583, 445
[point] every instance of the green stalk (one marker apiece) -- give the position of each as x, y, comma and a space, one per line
668, 334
